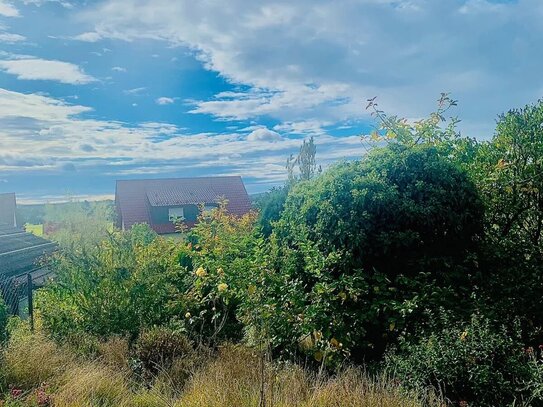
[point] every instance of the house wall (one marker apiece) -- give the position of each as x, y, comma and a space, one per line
159, 214
8, 209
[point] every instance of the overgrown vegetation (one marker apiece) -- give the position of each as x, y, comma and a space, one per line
231, 377
420, 265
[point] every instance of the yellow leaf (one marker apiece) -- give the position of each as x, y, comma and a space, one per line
318, 356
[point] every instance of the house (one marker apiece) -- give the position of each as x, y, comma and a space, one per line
8, 210
160, 202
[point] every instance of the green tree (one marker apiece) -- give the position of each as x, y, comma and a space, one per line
365, 250
270, 206
509, 173
305, 161
79, 224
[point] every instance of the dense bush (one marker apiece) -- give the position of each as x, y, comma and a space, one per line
365, 250
509, 173
118, 287
221, 252
270, 207
474, 363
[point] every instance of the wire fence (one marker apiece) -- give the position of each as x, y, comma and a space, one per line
18, 291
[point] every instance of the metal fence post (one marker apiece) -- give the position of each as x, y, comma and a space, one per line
30, 300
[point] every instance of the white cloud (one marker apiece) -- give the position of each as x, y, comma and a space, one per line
42, 69
164, 101
11, 38
134, 91
88, 37
39, 3
8, 10
264, 134
319, 61
118, 69
40, 133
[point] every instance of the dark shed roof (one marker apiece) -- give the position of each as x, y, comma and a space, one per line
20, 251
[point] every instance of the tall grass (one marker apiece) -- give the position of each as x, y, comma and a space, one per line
235, 377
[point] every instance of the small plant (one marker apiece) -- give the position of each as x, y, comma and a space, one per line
157, 348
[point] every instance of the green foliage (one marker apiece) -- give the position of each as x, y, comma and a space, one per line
363, 251
511, 170
222, 251
508, 171
340, 266
142, 235
33, 214
79, 224
118, 287
473, 362
4, 318
270, 206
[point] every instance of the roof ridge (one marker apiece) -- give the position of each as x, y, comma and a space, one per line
179, 178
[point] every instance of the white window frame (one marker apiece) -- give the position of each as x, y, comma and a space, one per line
176, 214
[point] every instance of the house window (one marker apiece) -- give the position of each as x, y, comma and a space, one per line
209, 207
175, 214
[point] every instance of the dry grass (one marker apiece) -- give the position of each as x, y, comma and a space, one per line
30, 360
115, 353
232, 379
93, 385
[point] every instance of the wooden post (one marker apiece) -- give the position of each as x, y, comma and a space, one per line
30, 301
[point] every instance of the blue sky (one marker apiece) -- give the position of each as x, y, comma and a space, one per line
94, 91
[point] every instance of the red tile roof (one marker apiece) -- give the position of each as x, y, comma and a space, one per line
134, 198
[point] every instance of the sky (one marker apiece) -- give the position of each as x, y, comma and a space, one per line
95, 91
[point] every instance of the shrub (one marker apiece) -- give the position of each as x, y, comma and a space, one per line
142, 234
117, 288
367, 249
115, 352
158, 347
473, 362
222, 251
270, 206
